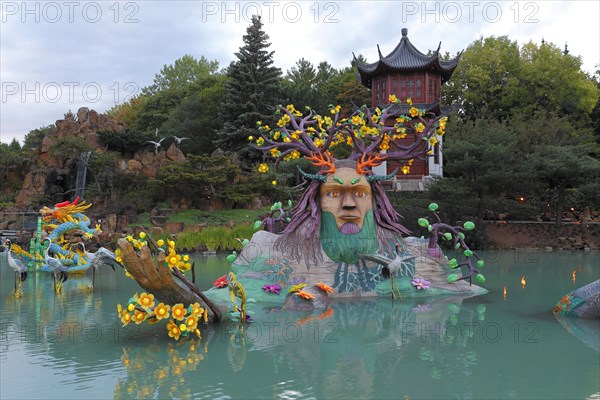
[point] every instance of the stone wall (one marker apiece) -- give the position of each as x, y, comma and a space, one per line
569, 236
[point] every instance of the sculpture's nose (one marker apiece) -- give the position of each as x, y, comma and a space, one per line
348, 202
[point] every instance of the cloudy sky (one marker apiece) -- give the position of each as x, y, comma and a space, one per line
57, 56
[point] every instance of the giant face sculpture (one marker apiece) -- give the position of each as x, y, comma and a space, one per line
346, 195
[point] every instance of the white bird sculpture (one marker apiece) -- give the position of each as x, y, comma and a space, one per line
19, 268
178, 140
156, 144
59, 271
390, 266
101, 257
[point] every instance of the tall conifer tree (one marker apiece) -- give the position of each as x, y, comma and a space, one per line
253, 91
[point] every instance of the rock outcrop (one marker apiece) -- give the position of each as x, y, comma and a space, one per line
52, 177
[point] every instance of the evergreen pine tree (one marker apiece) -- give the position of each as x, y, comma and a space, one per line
253, 91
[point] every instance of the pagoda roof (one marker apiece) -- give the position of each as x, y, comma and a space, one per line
406, 58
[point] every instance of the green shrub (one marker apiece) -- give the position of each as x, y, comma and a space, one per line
69, 147
216, 238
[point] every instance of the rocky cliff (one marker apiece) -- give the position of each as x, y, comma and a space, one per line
54, 178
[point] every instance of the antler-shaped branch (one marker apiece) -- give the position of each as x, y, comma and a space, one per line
323, 160
456, 235
368, 131
368, 161
297, 136
415, 148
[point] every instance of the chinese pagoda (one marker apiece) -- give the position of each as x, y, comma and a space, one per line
408, 73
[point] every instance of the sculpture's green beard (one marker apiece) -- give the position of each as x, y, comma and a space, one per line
345, 247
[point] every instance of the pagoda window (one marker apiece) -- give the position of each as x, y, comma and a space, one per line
431, 96
411, 88
418, 89
403, 92
395, 87
378, 92
383, 91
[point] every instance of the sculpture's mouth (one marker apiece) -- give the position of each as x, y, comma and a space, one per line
349, 217
350, 228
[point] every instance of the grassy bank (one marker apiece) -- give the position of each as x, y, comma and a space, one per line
221, 233
211, 218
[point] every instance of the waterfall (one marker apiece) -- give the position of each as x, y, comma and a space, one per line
80, 176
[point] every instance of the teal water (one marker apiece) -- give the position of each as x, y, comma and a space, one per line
73, 346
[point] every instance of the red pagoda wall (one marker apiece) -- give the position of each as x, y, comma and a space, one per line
421, 87
418, 168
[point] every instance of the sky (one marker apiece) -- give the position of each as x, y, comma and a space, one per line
57, 56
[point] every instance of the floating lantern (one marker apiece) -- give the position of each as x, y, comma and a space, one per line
523, 281
504, 293
521, 199
574, 275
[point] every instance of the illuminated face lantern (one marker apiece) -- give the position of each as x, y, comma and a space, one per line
345, 191
346, 195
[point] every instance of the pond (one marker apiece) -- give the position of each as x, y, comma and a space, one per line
499, 345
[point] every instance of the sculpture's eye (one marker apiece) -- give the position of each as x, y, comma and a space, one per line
333, 194
360, 194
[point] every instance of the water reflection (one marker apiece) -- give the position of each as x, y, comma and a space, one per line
447, 347
350, 349
160, 371
586, 330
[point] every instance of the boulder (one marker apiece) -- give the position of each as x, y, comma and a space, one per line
174, 154
134, 166
94, 119
172, 227
146, 158
82, 114
122, 222
110, 223
149, 171
156, 231
66, 127
94, 141
47, 142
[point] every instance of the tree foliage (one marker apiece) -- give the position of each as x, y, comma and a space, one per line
562, 168
69, 147
128, 112
201, 177
126, 143
33, 139
486, 77
185, 72
536, 157
195, 117
554, 81
253, 91
495, 77
101, 174
318, 88
183, 101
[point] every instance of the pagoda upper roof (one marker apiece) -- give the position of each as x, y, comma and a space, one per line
406, 58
